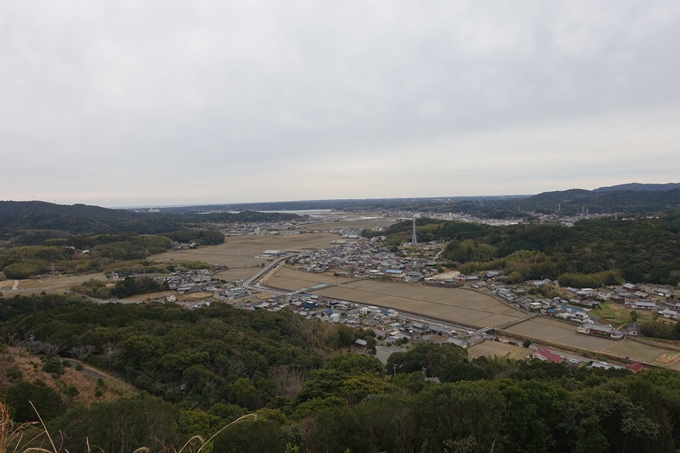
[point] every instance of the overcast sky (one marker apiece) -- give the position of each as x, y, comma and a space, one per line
126, 103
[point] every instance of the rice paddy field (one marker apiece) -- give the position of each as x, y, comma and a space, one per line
449, 304
560, 332
641, 352
292, 279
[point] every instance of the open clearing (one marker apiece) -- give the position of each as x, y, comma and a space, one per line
449, 304
560, 332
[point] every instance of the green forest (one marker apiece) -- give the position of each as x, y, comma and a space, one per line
591, 253
199, 370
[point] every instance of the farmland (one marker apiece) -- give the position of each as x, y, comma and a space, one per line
560, 332
642, 352
292, 279
454, 305
240, 252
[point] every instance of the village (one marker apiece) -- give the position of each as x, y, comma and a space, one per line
356, 258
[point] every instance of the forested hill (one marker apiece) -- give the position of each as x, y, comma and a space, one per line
27, 208
201, 369
79, 218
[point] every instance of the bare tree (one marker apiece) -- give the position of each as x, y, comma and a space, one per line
51, 348
82, 352
288, 379
34, 346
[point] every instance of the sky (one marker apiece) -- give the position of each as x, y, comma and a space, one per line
129, 103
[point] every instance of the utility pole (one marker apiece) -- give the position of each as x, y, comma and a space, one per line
52, 277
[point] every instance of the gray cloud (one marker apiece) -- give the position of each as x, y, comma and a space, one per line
120, 103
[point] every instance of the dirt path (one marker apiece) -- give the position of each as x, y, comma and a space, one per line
97, 374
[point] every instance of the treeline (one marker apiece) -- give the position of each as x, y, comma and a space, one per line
130, 286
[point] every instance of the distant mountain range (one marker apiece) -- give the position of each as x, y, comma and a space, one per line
633, 198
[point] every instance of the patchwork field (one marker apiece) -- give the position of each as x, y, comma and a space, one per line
559, 332
449, 304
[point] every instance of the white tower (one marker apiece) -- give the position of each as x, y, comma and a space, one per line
414, 239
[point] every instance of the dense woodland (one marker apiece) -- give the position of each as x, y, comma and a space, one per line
202, 369
591, 253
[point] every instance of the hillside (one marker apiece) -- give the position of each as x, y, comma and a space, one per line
203, 369
608, 201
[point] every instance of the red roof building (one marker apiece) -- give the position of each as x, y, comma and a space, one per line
544, 354
636, 367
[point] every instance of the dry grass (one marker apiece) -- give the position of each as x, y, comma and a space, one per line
31, 369
61, 283
19, 439
497, 349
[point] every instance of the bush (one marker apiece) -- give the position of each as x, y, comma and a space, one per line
53, 365
14, 374
46, 400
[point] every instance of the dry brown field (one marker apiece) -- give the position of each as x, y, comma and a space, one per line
238, 273
560, 332
292, 279
239, 252
448, 304
60, 283
498, 349
641, 352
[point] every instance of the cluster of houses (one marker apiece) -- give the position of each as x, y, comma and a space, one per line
387, 323
580, 301
367, 259
292, 227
